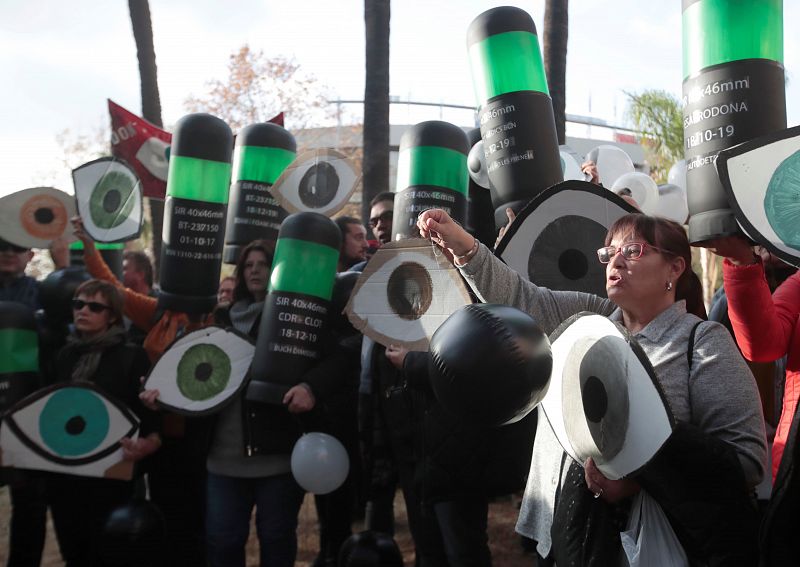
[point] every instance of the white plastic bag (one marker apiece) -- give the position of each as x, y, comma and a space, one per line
649, 539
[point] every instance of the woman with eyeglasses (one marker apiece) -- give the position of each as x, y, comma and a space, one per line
654, 294
98, 352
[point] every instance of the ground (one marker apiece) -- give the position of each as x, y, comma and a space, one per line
505, 544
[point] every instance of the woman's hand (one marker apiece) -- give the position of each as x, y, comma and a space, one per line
437, 226
80, 233
611, 491
135, 450
589, 169
396, 355
299, 399
149, 397
735, 248
502, 232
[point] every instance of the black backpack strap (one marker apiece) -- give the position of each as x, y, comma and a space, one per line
690, 349
689, 357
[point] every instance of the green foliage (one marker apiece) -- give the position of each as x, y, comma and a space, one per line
658, 116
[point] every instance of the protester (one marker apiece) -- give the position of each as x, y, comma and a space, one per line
354, 242
380, 216
243, 472
225, 290
654, 294
177, 472
766, 327
99, 353
137, 272
27, 488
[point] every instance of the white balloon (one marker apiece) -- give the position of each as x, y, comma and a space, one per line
612, 163
643, 190
319, 463
476, 164
677, 174
570, 164
672, 203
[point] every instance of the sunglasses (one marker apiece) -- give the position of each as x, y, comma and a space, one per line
94, 306
629, 251
385, 216
6, 246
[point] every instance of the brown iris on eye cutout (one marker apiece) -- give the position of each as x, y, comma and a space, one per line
319, 185
43, 216
410, 290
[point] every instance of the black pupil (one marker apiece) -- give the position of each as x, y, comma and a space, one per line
44, 216
75, 425
111, 201
203, 371
573, 264
595, 399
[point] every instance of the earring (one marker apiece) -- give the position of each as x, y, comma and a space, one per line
669, 286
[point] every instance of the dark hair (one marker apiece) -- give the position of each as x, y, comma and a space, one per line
670, 238
380, 197
343, 222
142, 262
107, 291
240, 291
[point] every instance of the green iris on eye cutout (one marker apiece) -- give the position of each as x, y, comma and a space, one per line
782, 201
111, 202
203, 372
73, 422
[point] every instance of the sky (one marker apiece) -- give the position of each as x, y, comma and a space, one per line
60, 61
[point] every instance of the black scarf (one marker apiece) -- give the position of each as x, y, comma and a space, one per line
90, 350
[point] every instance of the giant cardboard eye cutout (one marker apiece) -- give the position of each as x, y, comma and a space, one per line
109, 200
604, 400
570, 164
405, 292
762, 182
33, 218
554, 240
202, 371
319, 181
70, 428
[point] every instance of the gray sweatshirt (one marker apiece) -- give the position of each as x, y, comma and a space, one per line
718, 394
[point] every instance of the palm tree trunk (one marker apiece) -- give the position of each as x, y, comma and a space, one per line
375, 167
151, 102
556, 32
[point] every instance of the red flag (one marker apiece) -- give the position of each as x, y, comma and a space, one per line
143, 146
277, 119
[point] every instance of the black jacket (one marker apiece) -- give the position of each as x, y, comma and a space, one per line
270, 429
118, 374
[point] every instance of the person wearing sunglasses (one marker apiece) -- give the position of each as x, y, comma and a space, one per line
654, 294
98, 352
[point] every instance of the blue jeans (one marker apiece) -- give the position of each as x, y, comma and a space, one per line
230, 503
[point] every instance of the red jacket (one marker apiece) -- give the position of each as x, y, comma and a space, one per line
767, 327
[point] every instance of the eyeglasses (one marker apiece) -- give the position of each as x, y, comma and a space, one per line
94, 306
6, 246
629, 251
385, 216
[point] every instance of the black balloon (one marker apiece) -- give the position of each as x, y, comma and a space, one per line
133, 535
370, 549
489, 364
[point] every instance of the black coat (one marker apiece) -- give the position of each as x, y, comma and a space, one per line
118, 374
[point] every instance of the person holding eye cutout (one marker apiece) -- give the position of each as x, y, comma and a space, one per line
717, 452
176, 473
98, 352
